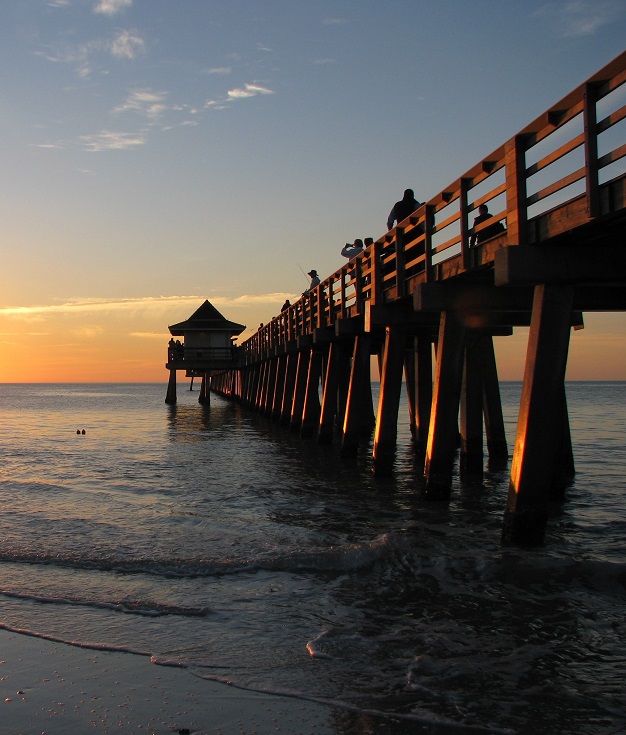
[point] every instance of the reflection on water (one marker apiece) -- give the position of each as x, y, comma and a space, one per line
210, 536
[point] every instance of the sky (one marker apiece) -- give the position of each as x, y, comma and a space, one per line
157, 153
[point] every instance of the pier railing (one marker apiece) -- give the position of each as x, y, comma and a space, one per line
429, 296
563, 172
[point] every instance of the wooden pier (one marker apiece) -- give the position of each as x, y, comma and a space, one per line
428, 304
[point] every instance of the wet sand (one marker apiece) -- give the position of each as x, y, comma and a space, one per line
58, 689
52, 688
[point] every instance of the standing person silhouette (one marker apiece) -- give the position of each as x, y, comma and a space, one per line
315, 279
402, 209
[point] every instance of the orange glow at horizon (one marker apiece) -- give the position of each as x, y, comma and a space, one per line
132, 347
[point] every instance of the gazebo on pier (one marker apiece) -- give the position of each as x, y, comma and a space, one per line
206, 347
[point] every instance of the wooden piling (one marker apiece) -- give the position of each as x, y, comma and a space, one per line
423, 388
205, 394
330, 393
288, 388
385, 435
279, 387
311, 408
443, 432
359, 408
299, 394
471, 413
540, 425
170, 396
492, 407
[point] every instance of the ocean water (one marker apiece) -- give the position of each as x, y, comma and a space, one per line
210, 538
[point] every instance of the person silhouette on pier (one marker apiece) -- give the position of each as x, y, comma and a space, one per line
402, 209
286, 305
487, 232
315, 280
351, 251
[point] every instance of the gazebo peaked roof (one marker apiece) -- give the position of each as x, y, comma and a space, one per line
206, 319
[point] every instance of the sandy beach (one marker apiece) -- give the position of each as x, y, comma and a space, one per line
58, 689
52, 688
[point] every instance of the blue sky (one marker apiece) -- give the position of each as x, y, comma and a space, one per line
160, 152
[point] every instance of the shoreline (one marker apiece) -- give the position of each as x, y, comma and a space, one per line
48, 687
55, 688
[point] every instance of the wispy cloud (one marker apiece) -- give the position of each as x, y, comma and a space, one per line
158, 303
111, 7
127, 45
149, 335
580, 17
108, 140
145, 102
88, 332
218, 70
334, 21
248, 90
124, 45
22, 333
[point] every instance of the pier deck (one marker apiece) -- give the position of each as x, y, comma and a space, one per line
429, 304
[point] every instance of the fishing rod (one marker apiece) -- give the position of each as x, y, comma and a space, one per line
303, 273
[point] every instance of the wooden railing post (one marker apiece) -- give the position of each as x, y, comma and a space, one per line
429, 224
400, 263
463, 214
591, 151
376, 295
516, 210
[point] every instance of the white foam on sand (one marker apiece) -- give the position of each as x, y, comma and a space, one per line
58, 689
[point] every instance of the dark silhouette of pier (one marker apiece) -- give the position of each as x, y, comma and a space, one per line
428, 304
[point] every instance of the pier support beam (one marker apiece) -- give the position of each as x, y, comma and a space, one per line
311, 408
471, 423
492, 406
388, 401
170, 396
205, 395
299, 393
288, 388
279, 387
540, 426
270, 386
338, 358
443, 432
359, 414
423, 389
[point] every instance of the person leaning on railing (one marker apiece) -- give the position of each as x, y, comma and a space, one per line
402, 209
486, 232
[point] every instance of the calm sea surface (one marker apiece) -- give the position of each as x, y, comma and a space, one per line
211, 538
